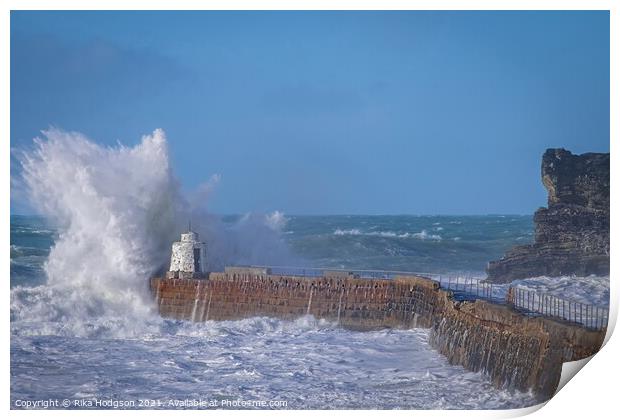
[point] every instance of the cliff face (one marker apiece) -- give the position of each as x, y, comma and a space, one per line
572, 233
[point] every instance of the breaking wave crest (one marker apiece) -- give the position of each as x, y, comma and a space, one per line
116, 211
423, 235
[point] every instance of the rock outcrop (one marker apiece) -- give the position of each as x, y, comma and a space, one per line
572, 233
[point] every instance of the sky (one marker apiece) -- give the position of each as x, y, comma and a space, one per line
325, 112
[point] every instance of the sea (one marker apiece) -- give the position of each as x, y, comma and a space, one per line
68, 343
85, 332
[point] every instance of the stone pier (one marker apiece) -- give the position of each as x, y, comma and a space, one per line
514, 350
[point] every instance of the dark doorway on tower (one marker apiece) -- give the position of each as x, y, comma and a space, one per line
197, 260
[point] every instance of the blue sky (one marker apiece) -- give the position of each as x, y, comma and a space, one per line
326, 112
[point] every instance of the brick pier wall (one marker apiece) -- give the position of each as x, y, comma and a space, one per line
515, 351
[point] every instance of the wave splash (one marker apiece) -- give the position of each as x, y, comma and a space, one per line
116, 210
423, 235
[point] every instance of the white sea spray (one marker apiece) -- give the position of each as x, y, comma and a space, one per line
117, 210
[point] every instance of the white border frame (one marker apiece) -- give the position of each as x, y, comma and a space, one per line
592, 394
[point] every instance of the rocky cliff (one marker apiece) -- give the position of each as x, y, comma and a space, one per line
572, 233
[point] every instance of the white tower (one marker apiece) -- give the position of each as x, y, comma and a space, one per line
189, 257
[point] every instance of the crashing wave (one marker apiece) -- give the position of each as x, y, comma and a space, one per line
116, 210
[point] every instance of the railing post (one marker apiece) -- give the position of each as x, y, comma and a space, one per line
516, 297
553, 307
563, 308
528, 300
606, 317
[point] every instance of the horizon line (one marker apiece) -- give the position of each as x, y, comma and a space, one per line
342, 214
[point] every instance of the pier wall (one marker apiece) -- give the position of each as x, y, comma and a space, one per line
514, 350
361, 304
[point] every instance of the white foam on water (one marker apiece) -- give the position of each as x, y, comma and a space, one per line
310, 363
423, 235
116, 211
592, 290
427, 236
340, 232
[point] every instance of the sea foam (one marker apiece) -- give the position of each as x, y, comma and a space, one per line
117, 210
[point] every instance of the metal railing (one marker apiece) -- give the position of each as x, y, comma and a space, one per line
320, 271
529, 301
469, 287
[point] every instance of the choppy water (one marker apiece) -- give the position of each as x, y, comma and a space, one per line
438, 244
83, 325
308, 363
408, 243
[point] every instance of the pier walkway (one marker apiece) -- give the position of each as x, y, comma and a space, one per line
466, 287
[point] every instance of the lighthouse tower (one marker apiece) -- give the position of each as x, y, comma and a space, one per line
189, 257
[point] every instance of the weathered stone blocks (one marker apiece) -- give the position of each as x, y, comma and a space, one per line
514, 350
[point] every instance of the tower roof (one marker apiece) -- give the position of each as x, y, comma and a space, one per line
189, 236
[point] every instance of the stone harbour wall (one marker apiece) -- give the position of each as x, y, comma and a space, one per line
515, 351
404, 302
